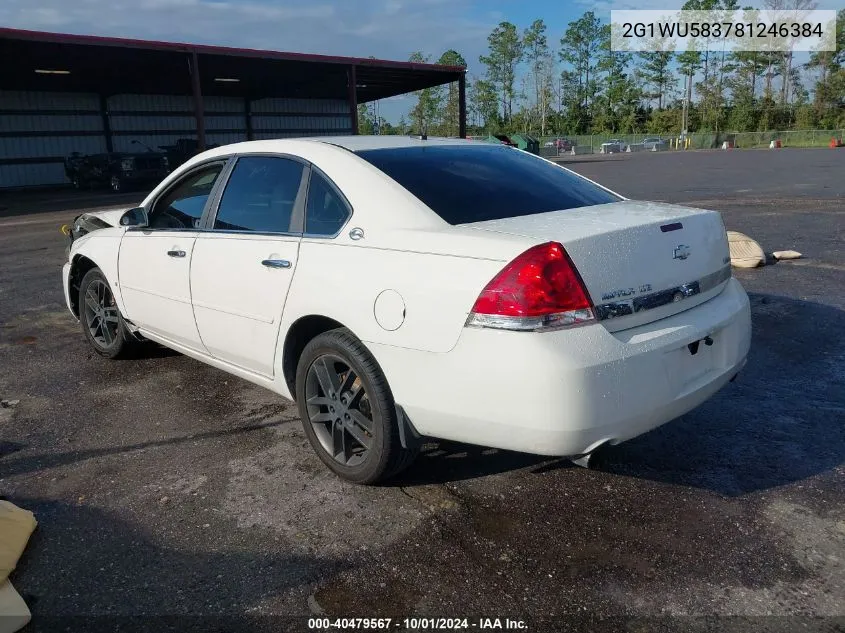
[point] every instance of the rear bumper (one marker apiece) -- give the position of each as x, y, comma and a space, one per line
566, 392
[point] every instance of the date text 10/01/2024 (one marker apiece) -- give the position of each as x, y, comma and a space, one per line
416, 624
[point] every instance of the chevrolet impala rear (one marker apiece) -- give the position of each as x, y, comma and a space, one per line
614, 317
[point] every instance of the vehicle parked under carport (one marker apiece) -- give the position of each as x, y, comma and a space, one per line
117, 170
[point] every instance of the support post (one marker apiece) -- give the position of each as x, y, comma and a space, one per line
104, 114
199, 111
250, 130
462, 105
353, 98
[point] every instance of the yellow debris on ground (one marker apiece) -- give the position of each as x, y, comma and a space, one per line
14, 614
745, 252
16, 526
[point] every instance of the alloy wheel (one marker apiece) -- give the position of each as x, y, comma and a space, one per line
101, 315
339, 410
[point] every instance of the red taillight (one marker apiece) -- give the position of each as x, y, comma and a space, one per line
538, 289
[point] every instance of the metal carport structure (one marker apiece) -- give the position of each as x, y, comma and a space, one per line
59, 91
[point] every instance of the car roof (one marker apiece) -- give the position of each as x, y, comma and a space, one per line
352, 143
358, 143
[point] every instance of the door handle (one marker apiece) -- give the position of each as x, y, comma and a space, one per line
276, 263
176, 253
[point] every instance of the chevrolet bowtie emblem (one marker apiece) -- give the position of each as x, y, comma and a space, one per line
682, 251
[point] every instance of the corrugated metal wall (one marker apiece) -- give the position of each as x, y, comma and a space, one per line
160, 120
39, 129
285, 118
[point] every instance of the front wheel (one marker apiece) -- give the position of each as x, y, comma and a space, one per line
347, 409
102, 323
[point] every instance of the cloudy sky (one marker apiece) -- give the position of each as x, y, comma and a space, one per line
387, 29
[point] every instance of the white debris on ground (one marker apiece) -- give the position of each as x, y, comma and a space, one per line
14, 614
747, 253
16, 526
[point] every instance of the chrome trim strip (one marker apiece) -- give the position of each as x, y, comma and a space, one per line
614, 309
543, 323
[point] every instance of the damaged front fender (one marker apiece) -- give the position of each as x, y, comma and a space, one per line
84, 224
91, 221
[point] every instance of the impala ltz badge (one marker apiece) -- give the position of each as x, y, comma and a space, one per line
682, 251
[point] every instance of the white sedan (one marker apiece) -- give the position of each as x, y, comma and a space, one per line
613, 146
400, 288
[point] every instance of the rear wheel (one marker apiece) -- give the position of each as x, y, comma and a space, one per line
347, 409
102, 323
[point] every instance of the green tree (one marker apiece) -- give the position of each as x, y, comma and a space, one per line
666, 121
742, 116
366, 118
829, 90
536, 48
749, 67
712, 100
484, 105
690, 62
579, 49
505, 54
656, 72
617, 98
424, 114
450, 119
574, 117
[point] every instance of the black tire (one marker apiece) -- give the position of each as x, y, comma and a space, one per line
107, 337
384, 457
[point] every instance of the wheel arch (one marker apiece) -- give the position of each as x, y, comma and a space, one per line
79, 267
298, 335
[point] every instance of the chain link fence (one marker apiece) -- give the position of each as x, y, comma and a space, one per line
592, 143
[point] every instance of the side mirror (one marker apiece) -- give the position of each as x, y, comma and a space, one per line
134, 217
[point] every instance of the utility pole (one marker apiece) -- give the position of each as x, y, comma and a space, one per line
560, 95
687, 100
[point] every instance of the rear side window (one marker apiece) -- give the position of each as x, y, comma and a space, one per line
475, 183
260, 195
326, 211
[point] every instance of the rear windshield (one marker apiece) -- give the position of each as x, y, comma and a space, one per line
475, 183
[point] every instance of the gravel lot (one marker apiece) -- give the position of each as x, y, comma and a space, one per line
164, 487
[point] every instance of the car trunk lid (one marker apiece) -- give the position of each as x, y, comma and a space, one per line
640, 261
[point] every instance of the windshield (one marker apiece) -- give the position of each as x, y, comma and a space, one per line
476, 183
